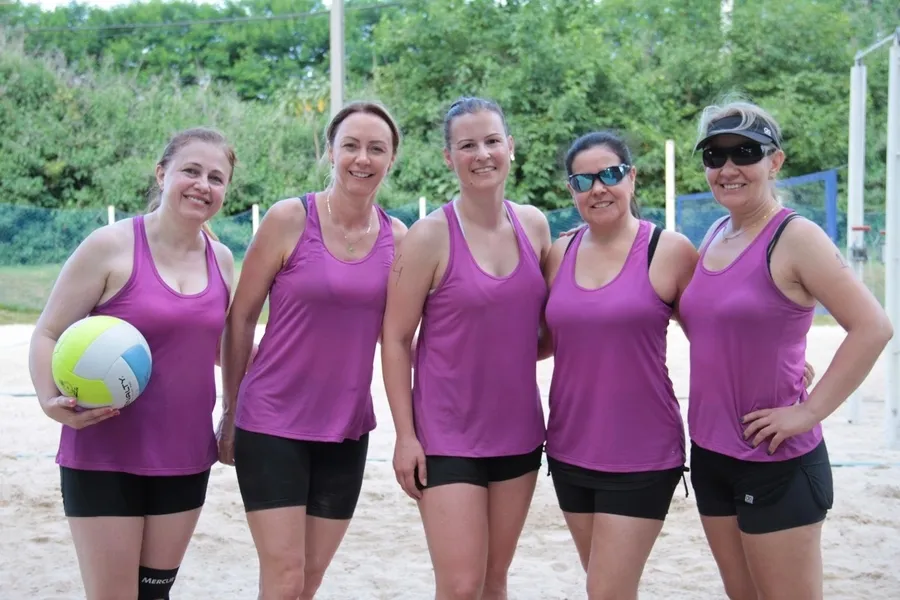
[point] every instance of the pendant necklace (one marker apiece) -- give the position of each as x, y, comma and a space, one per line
350, 245
726, 237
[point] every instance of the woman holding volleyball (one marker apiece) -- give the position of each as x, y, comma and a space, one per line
134, 479
296, 427
470, 430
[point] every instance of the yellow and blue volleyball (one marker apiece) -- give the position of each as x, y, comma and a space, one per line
102, 361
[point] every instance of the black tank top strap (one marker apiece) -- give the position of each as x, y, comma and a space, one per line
572, 238
654, 240
777, 235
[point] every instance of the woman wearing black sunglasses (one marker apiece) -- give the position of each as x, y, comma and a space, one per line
615, 437
759, 465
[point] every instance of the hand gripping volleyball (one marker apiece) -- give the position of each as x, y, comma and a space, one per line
101, 361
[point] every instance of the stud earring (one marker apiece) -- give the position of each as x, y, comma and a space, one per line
512, 157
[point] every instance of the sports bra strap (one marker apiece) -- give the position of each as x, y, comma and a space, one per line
654, 240
572, 239
775, 237
651, 250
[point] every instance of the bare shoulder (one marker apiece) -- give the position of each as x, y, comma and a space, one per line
529, 211
430, 229
288, 211
802, 228
531, 216
427, 238
437, 214
672, 242
282, 226
113, 238
558, 249
800, 235
223, 254
674, 261
398, 229
106, 250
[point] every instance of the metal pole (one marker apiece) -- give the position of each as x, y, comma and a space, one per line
862, 53
856, 165
856, 159
670, 185
337, 55
892, 247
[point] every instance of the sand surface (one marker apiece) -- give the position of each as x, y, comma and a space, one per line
384, 554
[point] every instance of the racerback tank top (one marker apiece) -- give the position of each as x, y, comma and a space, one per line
312, 376
748, 349
475, 391
168, 429
612, 405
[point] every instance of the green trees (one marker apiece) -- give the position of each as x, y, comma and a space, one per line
87, 133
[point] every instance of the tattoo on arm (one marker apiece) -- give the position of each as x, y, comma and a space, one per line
398, 270
841, 260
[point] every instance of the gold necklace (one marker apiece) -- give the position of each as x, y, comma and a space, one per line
726, 238
350, 244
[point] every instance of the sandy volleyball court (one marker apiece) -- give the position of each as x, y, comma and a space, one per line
384, 554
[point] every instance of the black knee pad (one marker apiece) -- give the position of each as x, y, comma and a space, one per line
154, 584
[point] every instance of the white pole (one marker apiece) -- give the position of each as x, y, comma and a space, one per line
892, 246
726, 7
856, 159
856, 164
111, 214
254, 217
670, 185
423, 209
337, 55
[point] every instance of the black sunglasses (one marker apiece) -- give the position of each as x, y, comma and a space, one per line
582, 182
748, 153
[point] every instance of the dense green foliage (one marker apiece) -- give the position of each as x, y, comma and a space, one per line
85, 112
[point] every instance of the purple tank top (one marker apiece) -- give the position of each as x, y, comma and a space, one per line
475, 392
748, 349
612, 406
312, 377
168, 430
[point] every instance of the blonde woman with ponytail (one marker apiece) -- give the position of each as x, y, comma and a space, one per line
134, 479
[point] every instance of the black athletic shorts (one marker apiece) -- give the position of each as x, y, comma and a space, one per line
443, 470
115, 494
765, 496
277, 472
644, 495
